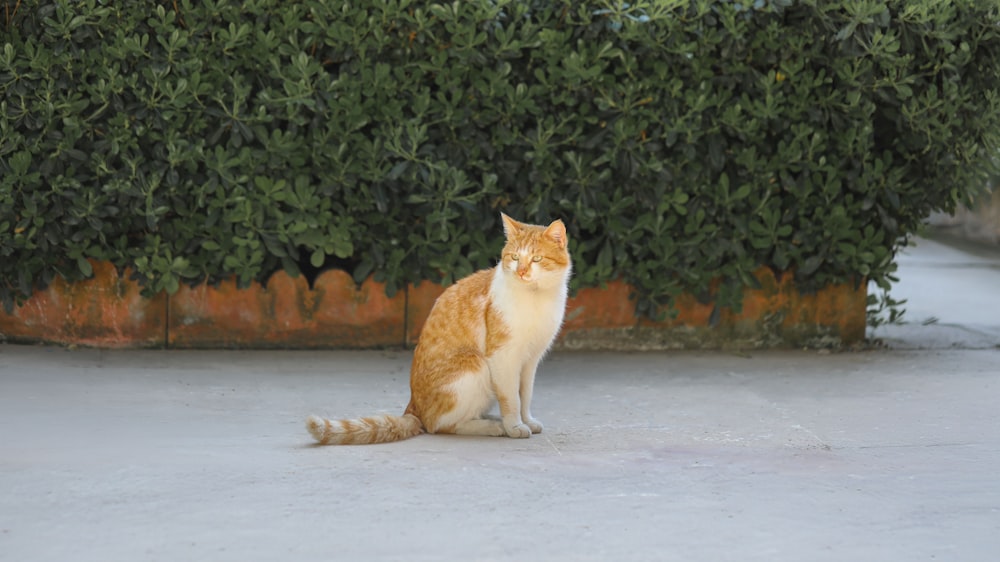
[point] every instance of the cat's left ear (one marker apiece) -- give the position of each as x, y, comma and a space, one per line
510, 225
557, 232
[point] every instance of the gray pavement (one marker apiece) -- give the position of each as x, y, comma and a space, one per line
952, 294
887, 454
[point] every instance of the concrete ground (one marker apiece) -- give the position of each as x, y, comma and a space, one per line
889, 454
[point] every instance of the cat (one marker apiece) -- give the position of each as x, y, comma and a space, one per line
481, 345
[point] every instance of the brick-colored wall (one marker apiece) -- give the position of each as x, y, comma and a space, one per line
108, 311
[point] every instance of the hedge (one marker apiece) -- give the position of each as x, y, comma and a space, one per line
685, 143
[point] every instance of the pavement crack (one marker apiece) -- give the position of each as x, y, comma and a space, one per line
552, 443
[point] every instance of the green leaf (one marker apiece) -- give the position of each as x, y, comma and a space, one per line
743, 192
810, 265
85, 268
317, 258
20, 162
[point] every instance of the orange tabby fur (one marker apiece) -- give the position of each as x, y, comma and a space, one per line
480, 345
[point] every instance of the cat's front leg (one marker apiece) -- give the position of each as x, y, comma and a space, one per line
505, 386
526, 388
513, 426
533, 424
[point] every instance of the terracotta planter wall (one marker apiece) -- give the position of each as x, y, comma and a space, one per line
288, 313
103, 311
108, 311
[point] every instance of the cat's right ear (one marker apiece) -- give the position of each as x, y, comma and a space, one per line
557, 232
510, 226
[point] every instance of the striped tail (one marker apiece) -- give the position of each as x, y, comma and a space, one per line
364, 431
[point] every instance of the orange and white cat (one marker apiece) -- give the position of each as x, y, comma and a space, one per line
481, 345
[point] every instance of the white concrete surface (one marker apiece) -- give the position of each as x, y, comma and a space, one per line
891, 454
952, 298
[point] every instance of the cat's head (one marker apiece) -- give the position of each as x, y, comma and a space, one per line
535, 255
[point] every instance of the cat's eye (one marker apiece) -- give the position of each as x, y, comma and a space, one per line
514, 257
536, 259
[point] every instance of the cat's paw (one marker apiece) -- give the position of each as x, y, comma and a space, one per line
534, 425
519, 431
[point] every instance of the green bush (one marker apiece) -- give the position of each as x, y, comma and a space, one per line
681, 140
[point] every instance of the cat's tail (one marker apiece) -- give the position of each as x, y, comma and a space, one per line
364, 431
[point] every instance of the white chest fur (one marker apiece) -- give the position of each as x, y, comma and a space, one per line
533, 313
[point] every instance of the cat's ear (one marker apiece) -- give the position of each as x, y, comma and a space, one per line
557, 232
510, 226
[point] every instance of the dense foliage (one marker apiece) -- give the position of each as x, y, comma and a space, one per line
683, 141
